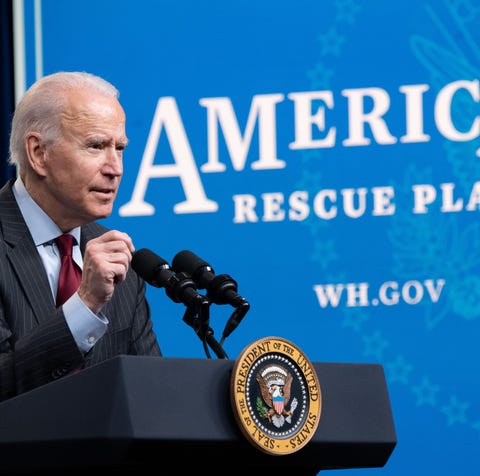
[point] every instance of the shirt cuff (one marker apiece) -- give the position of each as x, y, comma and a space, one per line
86, 327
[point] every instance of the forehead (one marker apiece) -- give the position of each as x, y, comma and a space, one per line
94, 112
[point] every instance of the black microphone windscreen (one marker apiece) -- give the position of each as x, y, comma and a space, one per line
146, 264
187, 262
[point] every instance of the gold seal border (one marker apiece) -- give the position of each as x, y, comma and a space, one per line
247, 358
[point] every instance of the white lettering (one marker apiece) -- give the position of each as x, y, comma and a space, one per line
414, 119
382, 201
319, 204
299, 209
357, 294
443, 111
423, 195
349, 195
434, 290
168, 116
474, 201
328, 294
220, 111
304, 120
272, 210
390, 293
412, 292
357, 117
245, 209
448, 204
366, 107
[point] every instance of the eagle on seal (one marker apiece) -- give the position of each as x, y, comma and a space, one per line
275, 385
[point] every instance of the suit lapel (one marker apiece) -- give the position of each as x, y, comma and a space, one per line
21, 253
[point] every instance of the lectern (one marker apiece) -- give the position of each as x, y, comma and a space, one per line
171, 415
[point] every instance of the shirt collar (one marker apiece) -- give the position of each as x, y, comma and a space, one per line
42, 228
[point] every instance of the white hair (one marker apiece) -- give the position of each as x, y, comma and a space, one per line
41, 107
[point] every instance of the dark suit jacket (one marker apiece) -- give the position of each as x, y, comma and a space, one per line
36, 345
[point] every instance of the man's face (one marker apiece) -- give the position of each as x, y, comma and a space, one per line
84, 168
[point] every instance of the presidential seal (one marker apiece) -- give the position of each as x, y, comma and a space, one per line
275, 396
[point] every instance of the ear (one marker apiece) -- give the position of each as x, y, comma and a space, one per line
36, 152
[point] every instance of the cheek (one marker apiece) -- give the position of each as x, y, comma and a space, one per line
71, 176
74, 184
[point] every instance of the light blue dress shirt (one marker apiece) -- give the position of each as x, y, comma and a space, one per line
85, 326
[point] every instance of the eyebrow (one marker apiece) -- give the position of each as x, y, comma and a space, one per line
107, 140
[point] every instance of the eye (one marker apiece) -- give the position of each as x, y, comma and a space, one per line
95, 145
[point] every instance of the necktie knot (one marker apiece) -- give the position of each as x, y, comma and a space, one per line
70, 274
65, 244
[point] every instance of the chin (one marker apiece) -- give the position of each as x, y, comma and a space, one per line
102, 212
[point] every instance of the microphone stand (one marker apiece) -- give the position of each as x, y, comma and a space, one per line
235, 318
200, 324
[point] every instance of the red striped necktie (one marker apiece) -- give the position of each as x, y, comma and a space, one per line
70, 273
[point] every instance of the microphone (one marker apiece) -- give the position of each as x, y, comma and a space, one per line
221, 289
157, 272
179, 287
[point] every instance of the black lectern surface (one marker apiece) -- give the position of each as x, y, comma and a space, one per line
132, 413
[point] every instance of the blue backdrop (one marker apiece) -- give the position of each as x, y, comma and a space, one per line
325, 154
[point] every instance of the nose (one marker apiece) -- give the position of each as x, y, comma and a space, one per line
113, 164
